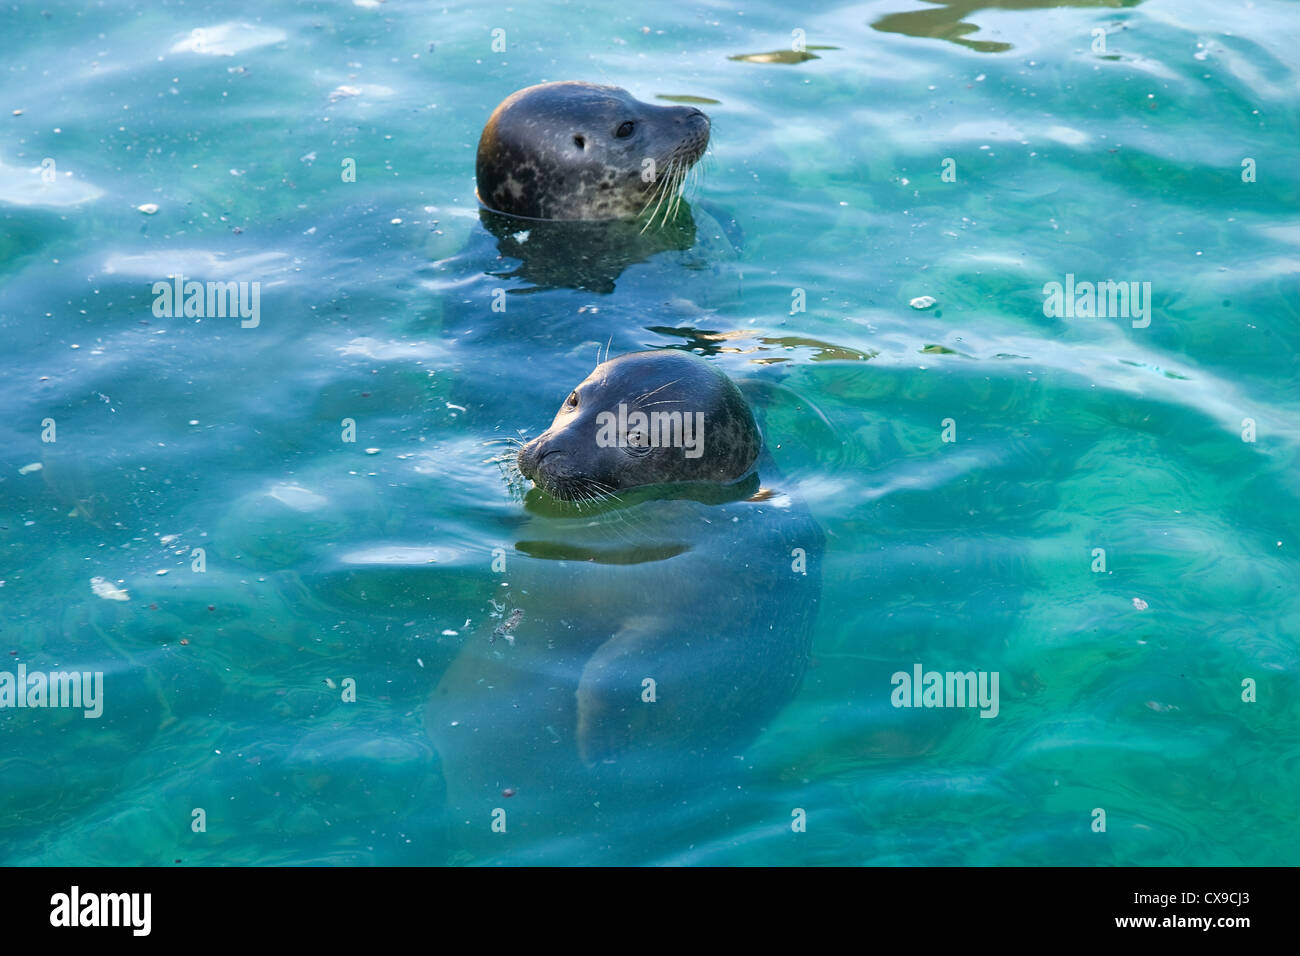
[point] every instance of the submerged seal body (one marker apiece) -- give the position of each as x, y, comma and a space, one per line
579, 151
663, 608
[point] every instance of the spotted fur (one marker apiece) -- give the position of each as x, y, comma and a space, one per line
556, 151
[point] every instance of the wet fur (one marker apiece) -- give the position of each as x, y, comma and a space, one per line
530, 165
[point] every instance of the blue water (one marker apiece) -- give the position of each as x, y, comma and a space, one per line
1161, 689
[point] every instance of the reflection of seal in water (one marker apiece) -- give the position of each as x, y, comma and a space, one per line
668, 606
580, 151
582, 255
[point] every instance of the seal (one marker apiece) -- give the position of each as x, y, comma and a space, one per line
647, 418
656, 611
580, 151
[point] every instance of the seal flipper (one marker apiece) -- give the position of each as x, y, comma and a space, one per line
713, 675
611, 714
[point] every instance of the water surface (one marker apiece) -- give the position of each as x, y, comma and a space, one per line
328, 560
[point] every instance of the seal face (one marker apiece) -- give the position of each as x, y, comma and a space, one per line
645, 418
580, 151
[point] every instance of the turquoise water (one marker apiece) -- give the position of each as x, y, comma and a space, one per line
1120, 689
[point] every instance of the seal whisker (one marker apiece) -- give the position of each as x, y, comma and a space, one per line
680, 191
618, 521
605, 490
601, 492
645, 395
665, 192
662, 190
675, 173
678, 174
591, 488
649, 200
626, 525
653, 192
660, 182
675, 176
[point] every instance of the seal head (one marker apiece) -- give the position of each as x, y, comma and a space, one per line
580, 151
645, 418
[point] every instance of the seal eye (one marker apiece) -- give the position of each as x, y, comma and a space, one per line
638, 443
625, 130
571, 401
579, 142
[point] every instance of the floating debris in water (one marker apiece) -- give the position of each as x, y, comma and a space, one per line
505, 627
1140, 604
109, 592
686, 98
922, 302
782, 56
343, 92
148, 208
28, 469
